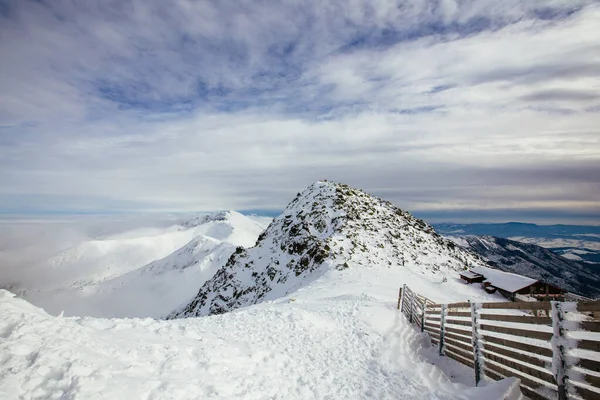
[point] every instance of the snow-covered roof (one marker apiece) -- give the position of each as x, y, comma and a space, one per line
504, 280
470, 274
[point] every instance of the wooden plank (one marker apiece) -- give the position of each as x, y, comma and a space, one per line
516, 355
466, 354
538, 305
495, 376
517, 332
589, 306
522, 319
531, 348
459, 331
459, 358
530, 393
458, 305
586, 393
458, 322
533, 395
432, 334
434, 328
593, 380
589, 345
545, 375
592, 365
463, 339
468, 347
592, 326
525, 380
459, 348
459, 314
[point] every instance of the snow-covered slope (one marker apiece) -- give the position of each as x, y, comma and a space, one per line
535, 262
340, 253
100, 259
154, 288
337, 338
327, 227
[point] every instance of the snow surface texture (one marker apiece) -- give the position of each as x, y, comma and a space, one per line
327, 227
339, 337
144, 273
535, 262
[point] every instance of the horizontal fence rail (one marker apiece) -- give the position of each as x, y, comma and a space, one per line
552, 347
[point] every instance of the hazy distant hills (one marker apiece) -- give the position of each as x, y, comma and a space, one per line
509, 229
575, 242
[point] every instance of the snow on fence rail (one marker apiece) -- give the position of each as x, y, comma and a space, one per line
552, 347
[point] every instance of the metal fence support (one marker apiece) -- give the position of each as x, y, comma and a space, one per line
558, 349
402, 299
423, 311
477, 359
411, 306
442, 329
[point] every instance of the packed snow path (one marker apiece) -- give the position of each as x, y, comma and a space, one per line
322, 343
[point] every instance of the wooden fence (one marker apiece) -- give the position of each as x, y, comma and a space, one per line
552, 347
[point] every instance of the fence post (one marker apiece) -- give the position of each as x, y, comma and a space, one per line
411, 306
475, 341
400, 299
442, 329
403, 291
558, 349
423, 311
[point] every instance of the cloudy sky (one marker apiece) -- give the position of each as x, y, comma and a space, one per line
478, 109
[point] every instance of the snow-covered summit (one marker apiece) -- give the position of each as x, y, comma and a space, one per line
226, 226
219, 216
329, 226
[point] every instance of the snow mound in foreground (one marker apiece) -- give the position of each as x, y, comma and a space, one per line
329, 226
338, 338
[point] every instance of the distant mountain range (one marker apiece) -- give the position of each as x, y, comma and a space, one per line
142, 273
575, 242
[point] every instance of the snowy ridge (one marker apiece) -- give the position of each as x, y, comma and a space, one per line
152, 288
227, 226
328, 226
535, 262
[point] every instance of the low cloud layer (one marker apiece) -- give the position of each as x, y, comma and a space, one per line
474, 106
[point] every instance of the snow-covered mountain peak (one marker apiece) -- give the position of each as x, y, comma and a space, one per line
226, 226
329, 226
219, 216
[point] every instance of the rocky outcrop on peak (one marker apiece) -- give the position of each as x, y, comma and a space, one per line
327, 226
219, 216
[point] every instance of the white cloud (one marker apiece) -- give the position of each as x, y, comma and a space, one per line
138, 106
